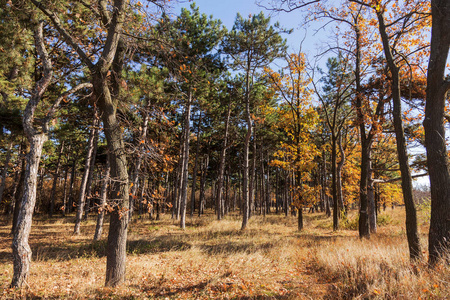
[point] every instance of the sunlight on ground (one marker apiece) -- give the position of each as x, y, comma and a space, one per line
215, 260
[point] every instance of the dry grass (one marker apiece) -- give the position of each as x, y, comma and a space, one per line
215, 260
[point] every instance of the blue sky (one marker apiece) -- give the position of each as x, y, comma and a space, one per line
227, 10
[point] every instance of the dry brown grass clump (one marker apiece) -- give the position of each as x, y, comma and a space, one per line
379, 268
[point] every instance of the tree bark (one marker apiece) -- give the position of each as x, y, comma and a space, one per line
66, 173
340, 166
194, 175
69, 207
223, 152
9, 209
87, 206
137, 166
202, 200
119, 190
20, 247
252, 178
334, 182
245, 179
324, 186
407, 189
55, 182
185, 161
19, 192
364, 231
371, 209
102, 204
435, 142
87, 167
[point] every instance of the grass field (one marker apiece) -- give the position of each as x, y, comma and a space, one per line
215, 260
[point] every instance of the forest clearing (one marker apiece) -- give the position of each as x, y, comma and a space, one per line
151, 150
216, 260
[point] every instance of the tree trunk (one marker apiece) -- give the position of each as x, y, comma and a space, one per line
205, 165
55, 181
324, 186
300, 219
252, 179
185, 162
194, 175
435, 142
5, 170
268, 188
69, 207
245, 180
179, 180
119, 190
340, 166
407, 189
222, 166
334, 182
82, 195
262, 185
87, 205
9, 209
102, 204
18, 193
364, 231
137, 166
64, 207
20, 247
371, 209
40, 189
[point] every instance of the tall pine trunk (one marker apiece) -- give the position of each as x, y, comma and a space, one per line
334, 187
371, 208
119, 189
340, 166
87, 205
87, 167
18, 192
55, 181
185, 162
9, 209
407, 189
437, 159
245, 171
363, 226
137, 165
102, 203
194, 174
223, 152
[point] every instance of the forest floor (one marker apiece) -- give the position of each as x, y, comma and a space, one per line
216, 260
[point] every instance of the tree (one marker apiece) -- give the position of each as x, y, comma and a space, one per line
92, 141
403, 23
107, 46
252, 44
335, 104
359, 44
192, 63
298, 119
438, 86
36, 136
